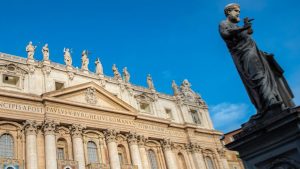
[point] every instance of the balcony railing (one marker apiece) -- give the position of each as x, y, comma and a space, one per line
4, 162
98, 166
61, 164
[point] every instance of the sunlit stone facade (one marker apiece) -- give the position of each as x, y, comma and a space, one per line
56, 116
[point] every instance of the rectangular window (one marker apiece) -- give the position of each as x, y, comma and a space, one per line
195, 117
59, 85
145, 107
60, 154
169, 113
11, 80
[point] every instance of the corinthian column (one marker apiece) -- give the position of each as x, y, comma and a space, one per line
112, 149
31, 149
134, 150
49, 128
169, 155
197, 156
143, 152
76, 131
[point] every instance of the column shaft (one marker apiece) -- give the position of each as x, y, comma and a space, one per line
170, 159
144, 158
113, 155
50, 151
31, 152
78, 152
135, 155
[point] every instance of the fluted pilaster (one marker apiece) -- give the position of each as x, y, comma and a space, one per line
143, 152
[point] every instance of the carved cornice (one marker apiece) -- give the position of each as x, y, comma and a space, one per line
110, 135
132, 138
76, 130
166, 144
49, 127
30, 127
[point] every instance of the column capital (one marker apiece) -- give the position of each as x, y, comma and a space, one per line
76, 130
49, 127
166, 144
141, 140
30, 127
110, 135
132, 138
193, 147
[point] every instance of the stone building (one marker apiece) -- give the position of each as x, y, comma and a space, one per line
56, 116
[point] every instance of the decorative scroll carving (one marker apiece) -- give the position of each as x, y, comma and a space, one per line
71, 75
110, 135
142, 140
193, 147
49, 127
90, 95
76, 130
30, 127
132, 138
166, 144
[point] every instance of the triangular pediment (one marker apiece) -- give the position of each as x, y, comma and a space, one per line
90, 95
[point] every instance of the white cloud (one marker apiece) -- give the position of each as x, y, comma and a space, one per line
228, 116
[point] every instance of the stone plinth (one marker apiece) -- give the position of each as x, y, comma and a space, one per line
271, 141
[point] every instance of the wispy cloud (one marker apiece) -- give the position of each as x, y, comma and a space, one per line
229, 116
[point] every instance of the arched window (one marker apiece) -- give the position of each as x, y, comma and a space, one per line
181, 161
152, 159
62, 149
6, 146
210, 163
92, 152
122, 154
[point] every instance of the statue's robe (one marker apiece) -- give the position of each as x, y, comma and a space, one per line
260, 73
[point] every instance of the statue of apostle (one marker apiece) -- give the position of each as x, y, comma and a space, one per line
259, 71
150, 82
84, 60
30, 49
116, 72
175, 88
126, 75
99, 68
45, 51
67, 57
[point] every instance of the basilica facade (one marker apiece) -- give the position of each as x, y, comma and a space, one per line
56, 116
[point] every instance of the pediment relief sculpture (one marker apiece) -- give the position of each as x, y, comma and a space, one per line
90, 94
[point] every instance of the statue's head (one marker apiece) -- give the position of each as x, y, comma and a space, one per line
232, 12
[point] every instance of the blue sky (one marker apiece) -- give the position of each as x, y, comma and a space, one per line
170, 39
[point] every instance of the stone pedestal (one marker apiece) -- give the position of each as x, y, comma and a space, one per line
271, 141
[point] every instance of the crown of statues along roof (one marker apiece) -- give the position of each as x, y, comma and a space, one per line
231, 5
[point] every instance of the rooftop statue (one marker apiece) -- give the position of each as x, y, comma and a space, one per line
99, 68
126, 75
45, 51
84, 60
116, 72
261, 74
175, 88
30, 49
67, 57
150, 82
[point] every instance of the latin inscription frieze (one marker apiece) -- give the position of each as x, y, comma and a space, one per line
20, 107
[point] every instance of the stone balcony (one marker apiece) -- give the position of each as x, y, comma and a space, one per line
62, 164
98, 166
6, 162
